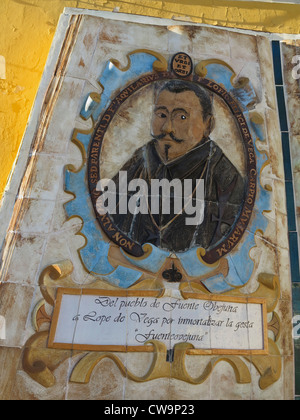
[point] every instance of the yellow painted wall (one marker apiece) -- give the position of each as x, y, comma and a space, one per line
27, 28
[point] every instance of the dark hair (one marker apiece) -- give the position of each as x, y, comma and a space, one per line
178, 86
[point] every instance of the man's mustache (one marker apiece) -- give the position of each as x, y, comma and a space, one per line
162, 136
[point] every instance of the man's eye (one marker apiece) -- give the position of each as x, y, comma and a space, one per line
183, 117
162, 115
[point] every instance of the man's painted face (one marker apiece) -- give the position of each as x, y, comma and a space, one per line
177, 123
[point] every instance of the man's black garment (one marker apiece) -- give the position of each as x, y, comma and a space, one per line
224, 190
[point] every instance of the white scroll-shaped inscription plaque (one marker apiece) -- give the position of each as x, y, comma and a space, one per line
105, 320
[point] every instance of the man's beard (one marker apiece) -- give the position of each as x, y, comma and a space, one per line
160, 137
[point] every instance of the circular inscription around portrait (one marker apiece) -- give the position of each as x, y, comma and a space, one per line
229, 242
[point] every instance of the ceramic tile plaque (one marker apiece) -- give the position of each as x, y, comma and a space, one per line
148, 237
98, 321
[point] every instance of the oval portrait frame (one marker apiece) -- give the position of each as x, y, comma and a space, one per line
230, 241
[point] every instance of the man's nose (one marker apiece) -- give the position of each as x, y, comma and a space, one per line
168, 126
